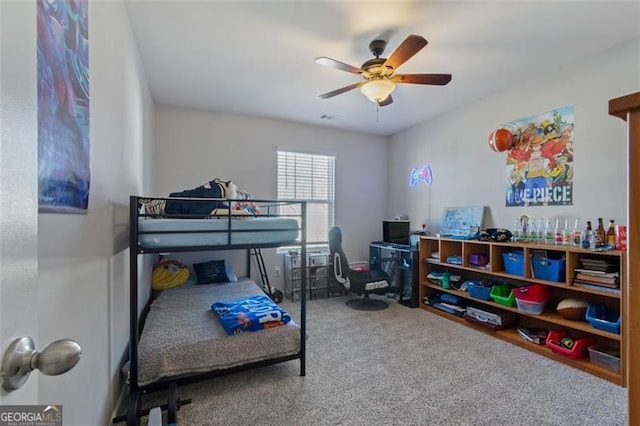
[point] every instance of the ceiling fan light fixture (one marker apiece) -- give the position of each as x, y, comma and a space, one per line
378, 73
378, 90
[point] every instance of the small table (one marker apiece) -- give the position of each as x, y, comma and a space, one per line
400, 262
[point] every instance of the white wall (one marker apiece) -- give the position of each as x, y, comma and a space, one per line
466, 172
83, 270
193, 146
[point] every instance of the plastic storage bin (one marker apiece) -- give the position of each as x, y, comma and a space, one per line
503, 295
532, 299
548, 269
479, 291
478, 259
605, 358
603, 318
514, 263
532, 293
535, 308
576, 351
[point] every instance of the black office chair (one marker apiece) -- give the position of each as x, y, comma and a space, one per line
358, 282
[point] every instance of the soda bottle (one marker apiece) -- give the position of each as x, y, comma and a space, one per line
600, 234
540, 232
557, 238
577, 233
589, 238
548, 233
532, 231
517, 230
566, 234
611, 234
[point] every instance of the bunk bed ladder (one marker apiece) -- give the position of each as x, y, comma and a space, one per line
276, 294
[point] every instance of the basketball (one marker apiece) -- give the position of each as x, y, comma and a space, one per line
501, 140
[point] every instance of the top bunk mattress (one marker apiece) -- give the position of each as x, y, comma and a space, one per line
182, 336
159, 233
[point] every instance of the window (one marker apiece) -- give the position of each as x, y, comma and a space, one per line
310, 177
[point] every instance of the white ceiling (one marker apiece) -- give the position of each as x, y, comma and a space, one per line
257, 57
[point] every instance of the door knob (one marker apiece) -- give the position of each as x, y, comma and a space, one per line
21, 358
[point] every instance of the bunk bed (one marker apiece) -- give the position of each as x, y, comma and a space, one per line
177, 338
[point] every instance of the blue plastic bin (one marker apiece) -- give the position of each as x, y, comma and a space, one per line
478, 291
548, 269
514, 263
603, 318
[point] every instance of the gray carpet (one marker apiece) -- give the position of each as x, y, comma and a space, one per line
404, 366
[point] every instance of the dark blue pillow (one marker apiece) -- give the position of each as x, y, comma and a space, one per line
213, 271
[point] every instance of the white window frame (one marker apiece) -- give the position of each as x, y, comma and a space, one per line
314, 194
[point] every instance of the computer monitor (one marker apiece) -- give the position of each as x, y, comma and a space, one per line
396, 232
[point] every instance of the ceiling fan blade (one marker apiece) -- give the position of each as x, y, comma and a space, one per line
332, 63
409, 47
341, 90
386, 102
436, 79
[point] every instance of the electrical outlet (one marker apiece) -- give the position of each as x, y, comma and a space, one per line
277, 271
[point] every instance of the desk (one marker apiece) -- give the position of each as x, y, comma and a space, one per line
401, 263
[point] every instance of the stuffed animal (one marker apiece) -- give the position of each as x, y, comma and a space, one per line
228, 189
169, 274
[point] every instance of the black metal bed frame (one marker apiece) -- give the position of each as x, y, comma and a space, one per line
136, 323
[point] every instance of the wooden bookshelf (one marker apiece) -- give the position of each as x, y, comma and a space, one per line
549, 318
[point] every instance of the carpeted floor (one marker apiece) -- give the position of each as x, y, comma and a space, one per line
404, 366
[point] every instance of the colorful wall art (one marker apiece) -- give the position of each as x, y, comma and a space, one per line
540, 164
63, 105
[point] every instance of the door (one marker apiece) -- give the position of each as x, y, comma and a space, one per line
18, 185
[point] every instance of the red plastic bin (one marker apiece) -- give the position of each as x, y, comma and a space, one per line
532, 293
577, 351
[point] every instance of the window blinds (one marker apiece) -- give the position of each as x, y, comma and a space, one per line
310, 177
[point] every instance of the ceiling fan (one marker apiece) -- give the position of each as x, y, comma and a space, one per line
379, 73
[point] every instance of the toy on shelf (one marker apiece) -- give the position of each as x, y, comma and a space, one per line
561, 342
572, 309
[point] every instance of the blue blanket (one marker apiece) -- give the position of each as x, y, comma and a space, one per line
250, 314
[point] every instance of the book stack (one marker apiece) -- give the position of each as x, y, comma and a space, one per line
598, 274
534, 335
448, 303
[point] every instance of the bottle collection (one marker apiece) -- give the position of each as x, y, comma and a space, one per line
569, 233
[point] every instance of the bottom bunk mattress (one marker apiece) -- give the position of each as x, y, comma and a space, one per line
182, 336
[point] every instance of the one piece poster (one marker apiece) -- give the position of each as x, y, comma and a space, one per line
63, 105
540, 164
